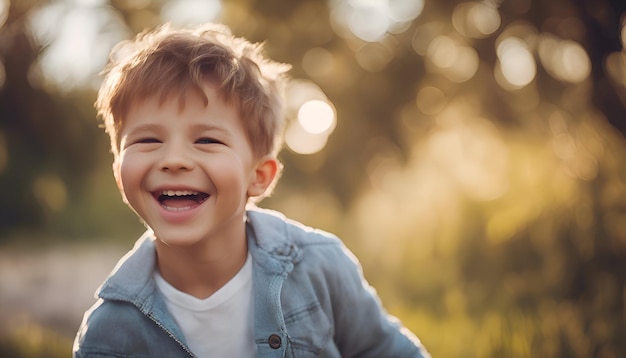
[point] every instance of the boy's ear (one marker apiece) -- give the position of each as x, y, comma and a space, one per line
266, 171
118, 179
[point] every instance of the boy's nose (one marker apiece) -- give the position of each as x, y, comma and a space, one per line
175, 159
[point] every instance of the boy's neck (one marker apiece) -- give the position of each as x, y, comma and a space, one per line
200, 270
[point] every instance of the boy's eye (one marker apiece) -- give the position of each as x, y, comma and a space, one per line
206, 140
148, 140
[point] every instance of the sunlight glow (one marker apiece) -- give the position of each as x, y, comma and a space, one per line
421, 200
576, 146
504, 224
76, 35
79, 34
44, 22
515, 63
371, 20
78, 40
191, 12
316, 116
474, 155
322, 207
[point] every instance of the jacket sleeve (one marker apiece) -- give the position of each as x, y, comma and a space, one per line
119, 329
362, 326
84, 340
103, 332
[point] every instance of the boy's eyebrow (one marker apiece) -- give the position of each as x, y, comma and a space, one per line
151, 127
146, 127
210, 127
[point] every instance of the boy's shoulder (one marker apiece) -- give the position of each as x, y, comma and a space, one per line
279, 243
276, 237
273, 228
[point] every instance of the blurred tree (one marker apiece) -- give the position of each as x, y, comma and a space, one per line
46, 140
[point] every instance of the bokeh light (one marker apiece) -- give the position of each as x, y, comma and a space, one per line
452, 59
316, 116
472, 153
371, 20
190, 12
516, 63
616, 67
425, 33
319, 63
302, 141
430, 100
476, 19
615, 64
78, 35
367, 20
4, 11
565, 60
312, 118
77, 39
374, 56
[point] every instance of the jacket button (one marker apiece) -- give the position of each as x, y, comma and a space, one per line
274, 341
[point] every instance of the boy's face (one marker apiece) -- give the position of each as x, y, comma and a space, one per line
188, 171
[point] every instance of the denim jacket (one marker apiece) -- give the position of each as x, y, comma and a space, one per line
311, 300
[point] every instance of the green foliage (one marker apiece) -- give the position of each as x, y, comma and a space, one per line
32, 340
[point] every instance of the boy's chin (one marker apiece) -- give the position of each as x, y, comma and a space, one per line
179, 242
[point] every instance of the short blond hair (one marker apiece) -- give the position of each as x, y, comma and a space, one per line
166, 61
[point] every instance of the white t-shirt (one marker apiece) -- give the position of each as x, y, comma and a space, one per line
221, 325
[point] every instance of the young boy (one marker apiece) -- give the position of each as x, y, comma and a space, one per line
195, 117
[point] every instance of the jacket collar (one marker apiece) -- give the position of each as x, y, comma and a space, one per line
270, 243
131, 279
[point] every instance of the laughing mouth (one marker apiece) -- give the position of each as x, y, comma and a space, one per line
176, 200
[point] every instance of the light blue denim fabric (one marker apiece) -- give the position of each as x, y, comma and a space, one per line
310, 301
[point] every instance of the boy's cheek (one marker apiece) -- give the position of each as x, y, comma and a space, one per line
118, 179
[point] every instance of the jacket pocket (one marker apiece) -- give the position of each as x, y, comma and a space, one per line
309, 330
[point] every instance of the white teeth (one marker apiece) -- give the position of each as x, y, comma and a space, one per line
171, 208
178, 192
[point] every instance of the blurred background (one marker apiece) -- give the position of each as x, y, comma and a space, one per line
471, 153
